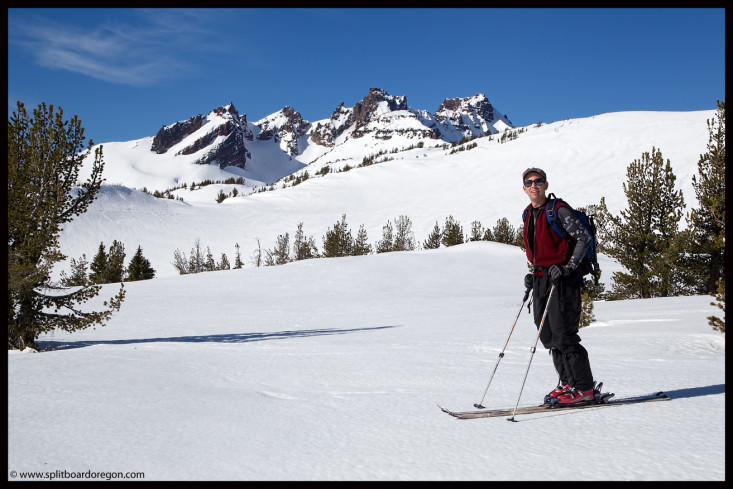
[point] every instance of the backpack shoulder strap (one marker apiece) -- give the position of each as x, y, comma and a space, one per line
551, 211
524, 213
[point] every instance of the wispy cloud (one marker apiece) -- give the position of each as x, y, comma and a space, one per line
156, 46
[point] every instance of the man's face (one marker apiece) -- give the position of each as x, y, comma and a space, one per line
536, 190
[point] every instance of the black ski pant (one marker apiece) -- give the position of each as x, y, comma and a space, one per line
560, 331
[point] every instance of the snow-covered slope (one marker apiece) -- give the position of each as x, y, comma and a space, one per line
332, 369
585, 159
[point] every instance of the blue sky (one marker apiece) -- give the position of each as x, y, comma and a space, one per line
127, 72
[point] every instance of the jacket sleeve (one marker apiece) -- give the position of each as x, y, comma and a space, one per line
574, 228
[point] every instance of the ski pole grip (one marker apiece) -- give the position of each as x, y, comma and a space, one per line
526, 295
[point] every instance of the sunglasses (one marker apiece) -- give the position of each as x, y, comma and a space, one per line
537, 181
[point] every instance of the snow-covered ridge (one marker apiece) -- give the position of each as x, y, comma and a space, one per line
585, 159
283, 142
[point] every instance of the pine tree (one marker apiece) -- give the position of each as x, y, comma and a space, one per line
237, 257
589, 292
224, 263
519, 239
45, 154
78, 275
708, 221
644, 237
477, 231
433, 240
452, 232
281, 253
139, 267
221, 197
257, 254
338, 241
209, 264
504, 232
386, 244
404, 238
115, 263
196, 262
180, 262
361, 244
98, 268
303, 248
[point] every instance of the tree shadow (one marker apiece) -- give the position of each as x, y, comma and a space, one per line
52, 345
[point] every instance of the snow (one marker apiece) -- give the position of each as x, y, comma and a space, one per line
333, 369
585, 159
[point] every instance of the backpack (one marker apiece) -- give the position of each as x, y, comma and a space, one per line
589, 264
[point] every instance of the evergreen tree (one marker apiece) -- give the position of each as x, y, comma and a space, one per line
670, 244
644, 237
237, 257
98, 268
361, 244
708, 221
224, 263
338, 241
281, 253
196, 262
303, 248
257, 254
519, 240
477, 231
180, 262
221, 197
115, 263
589, 293
433, 240
488, 235
452, 232
209, 264
404, 238
504, 232
78, 275
386, 244
139, 267
45, 154
586, 312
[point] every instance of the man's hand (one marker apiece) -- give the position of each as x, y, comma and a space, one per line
528, 281
557, 271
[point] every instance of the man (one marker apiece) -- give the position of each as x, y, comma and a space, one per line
555, 262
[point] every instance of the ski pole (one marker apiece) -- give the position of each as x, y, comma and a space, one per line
501, 355
534, 348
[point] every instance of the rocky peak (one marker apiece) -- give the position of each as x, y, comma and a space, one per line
469, 115
477, 104
198, 133
287, 125
369, 107
168, 136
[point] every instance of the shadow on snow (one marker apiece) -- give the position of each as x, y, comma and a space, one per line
696, 391
214, 338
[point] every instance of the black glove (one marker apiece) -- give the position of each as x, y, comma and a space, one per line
528, 281
556, 272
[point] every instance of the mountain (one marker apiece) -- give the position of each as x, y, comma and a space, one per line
223, 132
585, 159
224, 144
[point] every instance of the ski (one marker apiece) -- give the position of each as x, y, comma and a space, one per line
606, 400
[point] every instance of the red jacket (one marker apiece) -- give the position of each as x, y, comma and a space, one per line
549, 248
